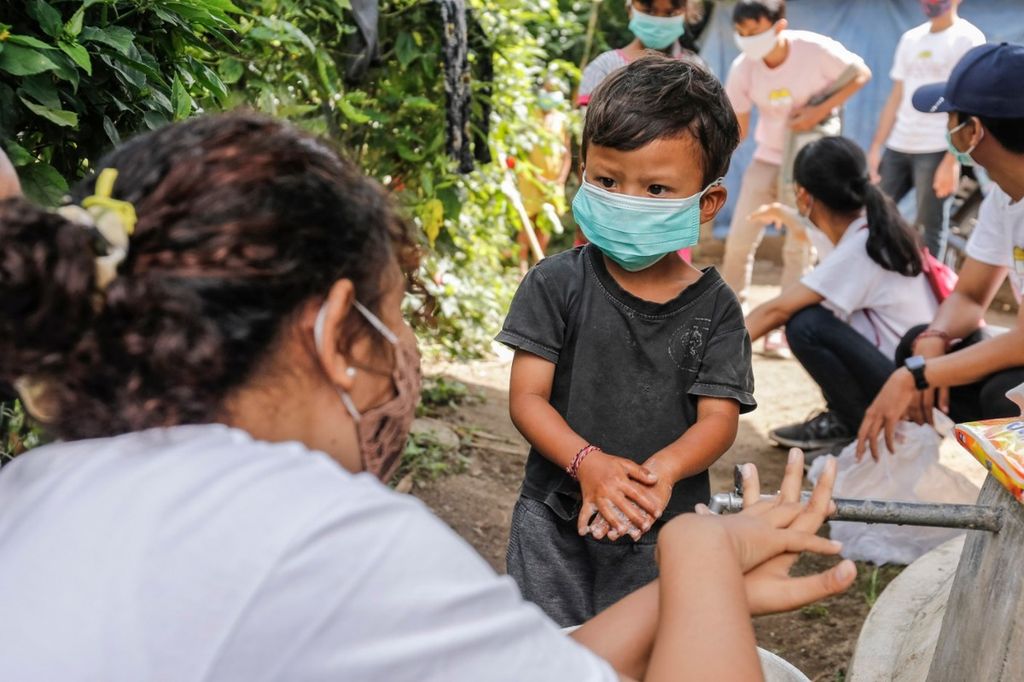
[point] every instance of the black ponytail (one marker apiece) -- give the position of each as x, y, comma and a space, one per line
891, 242
834, 171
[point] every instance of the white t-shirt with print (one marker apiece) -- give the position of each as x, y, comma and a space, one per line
813, 65
881, 305
998, 238
923, 57
196, 553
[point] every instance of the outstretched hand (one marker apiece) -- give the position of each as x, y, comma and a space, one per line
769, 535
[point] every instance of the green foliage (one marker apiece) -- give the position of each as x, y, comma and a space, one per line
439, 392
17, 432
76, 76
425, 459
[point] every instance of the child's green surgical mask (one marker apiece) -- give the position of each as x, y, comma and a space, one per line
637, 232
656, 32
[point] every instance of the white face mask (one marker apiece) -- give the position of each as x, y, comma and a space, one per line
757, 46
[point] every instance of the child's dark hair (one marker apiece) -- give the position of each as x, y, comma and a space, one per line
241, 220
647, 4
1008, 132
772, 10
835, 172
657, 97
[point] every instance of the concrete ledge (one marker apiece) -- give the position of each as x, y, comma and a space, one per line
900, 634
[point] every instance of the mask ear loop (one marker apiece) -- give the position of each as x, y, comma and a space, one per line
318, 340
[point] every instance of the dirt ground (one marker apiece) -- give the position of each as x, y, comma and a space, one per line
478, 503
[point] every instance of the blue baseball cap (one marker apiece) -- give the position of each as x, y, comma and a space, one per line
988, 81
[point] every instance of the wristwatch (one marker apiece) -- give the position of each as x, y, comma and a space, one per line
916, 366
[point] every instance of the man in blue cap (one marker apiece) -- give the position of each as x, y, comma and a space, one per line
953, 363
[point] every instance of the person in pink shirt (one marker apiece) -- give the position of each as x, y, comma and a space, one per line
780, 72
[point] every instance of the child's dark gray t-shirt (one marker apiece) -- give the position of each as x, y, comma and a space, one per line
628, 372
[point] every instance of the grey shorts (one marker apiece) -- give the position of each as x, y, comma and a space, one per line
573, 578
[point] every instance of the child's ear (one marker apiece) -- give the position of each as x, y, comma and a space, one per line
781, 25
712, 202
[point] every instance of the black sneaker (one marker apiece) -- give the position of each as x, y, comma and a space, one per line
822, 431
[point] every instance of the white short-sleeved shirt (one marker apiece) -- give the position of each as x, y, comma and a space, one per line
608, 62
197, 553
814, 63
880, 304
923, 57
998, 238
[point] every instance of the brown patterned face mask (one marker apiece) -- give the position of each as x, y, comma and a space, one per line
384, 429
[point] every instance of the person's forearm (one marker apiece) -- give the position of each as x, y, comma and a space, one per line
545, 429
704, 630
840, 96
765, 318
978, 361
959, 316
697, 449
887, 119
623, 634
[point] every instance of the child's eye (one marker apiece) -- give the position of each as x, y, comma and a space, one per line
657, 190
607, 183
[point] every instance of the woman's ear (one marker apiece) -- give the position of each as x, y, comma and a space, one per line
712, 202
326, 323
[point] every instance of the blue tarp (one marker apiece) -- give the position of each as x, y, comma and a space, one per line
871, 28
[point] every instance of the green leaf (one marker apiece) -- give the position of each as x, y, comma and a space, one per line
408, 154
154, 120
41, 89
231, 70
61, 117
117, 37
351, 113
418, 102
111, 130
48, 18
28, 41
18, 155
209, 79
405, 49
180, 99
43, 184
77, 53
23, 61
74, 26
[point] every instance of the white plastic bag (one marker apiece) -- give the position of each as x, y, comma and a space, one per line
913, 474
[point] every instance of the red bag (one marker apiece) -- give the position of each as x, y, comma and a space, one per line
940, 276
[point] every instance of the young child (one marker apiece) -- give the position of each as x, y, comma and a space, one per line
631, 369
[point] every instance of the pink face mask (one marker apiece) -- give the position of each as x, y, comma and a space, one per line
383, 430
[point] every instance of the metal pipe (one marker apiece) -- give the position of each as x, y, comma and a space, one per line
967, 516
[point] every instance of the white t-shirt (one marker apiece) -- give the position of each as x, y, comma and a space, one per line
998, 238
814, 63
923, 57
197, 553
879, 304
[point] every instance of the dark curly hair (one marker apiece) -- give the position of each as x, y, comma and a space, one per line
657, 97
241, 219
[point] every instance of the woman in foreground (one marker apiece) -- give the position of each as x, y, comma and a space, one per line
215, 333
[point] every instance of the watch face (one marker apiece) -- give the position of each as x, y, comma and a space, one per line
915, 363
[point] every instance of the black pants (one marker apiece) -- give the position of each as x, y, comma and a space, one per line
849, 369
985, 399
